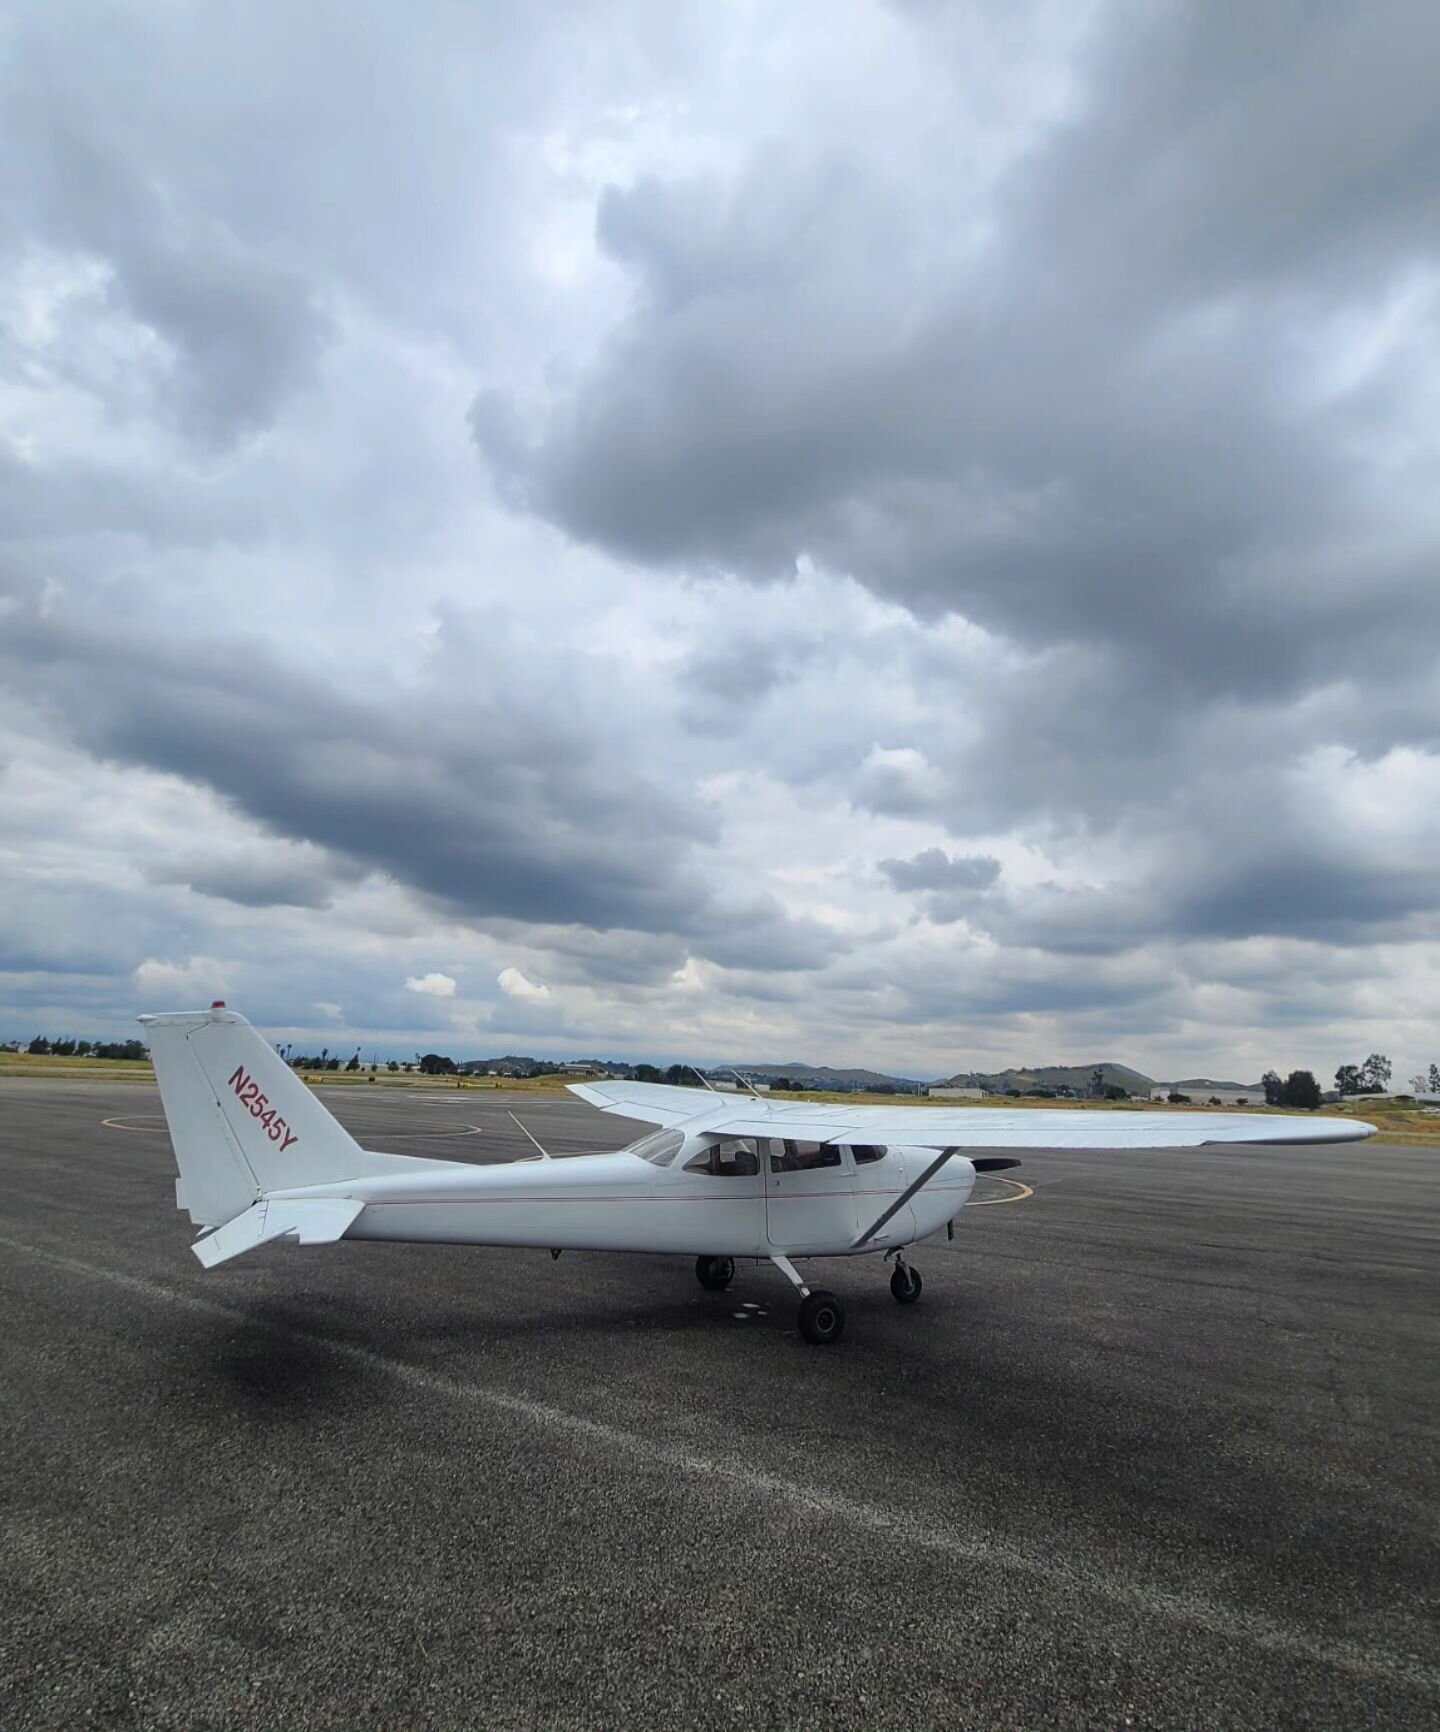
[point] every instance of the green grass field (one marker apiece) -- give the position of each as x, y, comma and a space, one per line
116, 1069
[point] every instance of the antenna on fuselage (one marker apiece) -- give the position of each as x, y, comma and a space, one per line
703, 1078
545, 1154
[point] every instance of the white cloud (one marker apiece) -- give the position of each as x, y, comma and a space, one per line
191, 985
689, 977
515, 985
434, 985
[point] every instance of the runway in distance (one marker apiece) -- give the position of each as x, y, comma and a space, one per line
721, 1178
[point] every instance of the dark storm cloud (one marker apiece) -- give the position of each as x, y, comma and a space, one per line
1336, 899
487, 828
720, 675
934, 869
950, 884
737, 935
262, 881
1101, 428
55, 1003
490, 806
614, 959
58, 924
965, 986
242, 329
759, 934
1294, 882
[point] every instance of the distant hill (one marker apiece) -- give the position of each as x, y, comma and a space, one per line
1054, 1076
824, 1076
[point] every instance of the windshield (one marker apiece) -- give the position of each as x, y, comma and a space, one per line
659, 1148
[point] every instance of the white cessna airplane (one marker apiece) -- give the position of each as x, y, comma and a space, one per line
725, 1176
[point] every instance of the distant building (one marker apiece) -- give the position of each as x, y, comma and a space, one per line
1201, 1096
949, 1092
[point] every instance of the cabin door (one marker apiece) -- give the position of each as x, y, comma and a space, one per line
809, 1196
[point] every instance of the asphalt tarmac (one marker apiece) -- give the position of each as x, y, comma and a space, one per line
1158, 1448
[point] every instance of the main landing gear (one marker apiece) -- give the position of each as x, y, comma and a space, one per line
714, 1273
821, 1316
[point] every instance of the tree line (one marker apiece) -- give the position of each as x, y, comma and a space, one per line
42, 1047
1373, 1078
1299, 1089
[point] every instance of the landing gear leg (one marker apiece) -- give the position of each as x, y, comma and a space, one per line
821, 1316
714, 1273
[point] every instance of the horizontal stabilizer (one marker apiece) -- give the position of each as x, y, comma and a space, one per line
312, 1221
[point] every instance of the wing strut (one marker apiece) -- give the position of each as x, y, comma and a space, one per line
905, 1197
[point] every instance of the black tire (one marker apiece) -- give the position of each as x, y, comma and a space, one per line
714, 1273
822, 1318
905, 1284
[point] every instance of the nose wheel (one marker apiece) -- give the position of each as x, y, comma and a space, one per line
905, 1283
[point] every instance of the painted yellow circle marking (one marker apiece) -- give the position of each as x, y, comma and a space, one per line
1018, 1193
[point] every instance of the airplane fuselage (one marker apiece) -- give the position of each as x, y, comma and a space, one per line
622, 1202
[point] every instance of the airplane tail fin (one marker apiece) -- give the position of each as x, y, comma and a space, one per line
241, 1122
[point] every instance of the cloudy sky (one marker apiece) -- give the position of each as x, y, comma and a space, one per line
902, 534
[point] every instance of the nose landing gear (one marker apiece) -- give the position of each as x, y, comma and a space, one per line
905, 1283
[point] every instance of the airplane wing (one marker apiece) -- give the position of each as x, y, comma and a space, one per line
654, 1103
969, 1127
1102, 1128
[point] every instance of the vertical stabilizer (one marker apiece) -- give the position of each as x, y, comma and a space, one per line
242, 1123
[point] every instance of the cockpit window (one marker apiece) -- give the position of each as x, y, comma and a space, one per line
659, 1148
726, 1158
864, 1152
793, 1157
